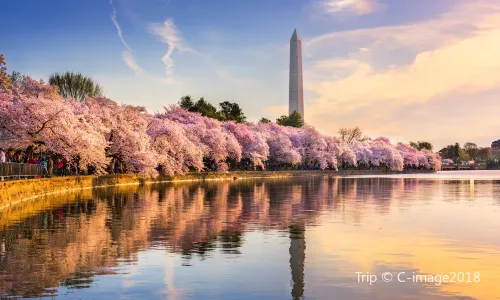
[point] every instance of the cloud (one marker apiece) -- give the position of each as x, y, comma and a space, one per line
358, 7
168, 33
467, 66
118, 28
129, 59
465, 19
409, 68
127, 55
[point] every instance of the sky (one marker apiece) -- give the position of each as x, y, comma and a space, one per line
405, 69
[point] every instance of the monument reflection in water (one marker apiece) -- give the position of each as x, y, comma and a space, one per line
247, 240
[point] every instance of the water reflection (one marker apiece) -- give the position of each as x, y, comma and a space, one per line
209, 238
297, 259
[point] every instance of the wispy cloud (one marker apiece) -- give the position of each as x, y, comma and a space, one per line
168, 34
127, 55
118, 28
359, 7
435, 61
129, 59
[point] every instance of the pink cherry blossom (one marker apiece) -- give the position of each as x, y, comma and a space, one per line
125, 130
410, 154
281, 150
175, 152
363, 152
386, 154
253, 144
433, 159
52, 125
217, 143
99, 131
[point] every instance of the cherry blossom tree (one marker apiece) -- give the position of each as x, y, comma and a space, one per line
281, 150
99, 132
253, 144
363, 152
333, 149
37, 89
433, 159
217, 143
386, 154
86, 144
410, 155
343, 151
176, 153
424, 158
50, 125
124, 127
314, 148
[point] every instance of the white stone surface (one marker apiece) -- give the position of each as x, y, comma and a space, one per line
296, 91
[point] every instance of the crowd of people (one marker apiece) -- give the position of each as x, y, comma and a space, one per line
49, 167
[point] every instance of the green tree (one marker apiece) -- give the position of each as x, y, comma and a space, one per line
5, 83
16, 77
451, 152
425, 145
75, 85
265, 120
463, 155
186, 103
294, 120
456, 151
228, 111
472, 150
206, 109
231, 112
443, 153
283, 120
420, 145
484, 154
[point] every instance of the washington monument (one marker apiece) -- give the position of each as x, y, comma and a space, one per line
296, 92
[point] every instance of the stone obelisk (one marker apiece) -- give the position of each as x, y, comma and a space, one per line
296, 92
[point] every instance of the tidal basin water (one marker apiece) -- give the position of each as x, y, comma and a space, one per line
296, 238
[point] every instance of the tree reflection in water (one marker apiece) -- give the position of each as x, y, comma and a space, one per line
69, 241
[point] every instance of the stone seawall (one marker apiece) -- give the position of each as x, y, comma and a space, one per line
14, 192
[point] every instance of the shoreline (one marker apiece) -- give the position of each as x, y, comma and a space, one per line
19, 191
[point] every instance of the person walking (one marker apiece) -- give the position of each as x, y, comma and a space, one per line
11, 156
3, 157
59, 166
45, 172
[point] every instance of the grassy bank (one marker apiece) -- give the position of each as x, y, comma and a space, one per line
14, 192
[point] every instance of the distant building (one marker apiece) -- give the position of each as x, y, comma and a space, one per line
495, 146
